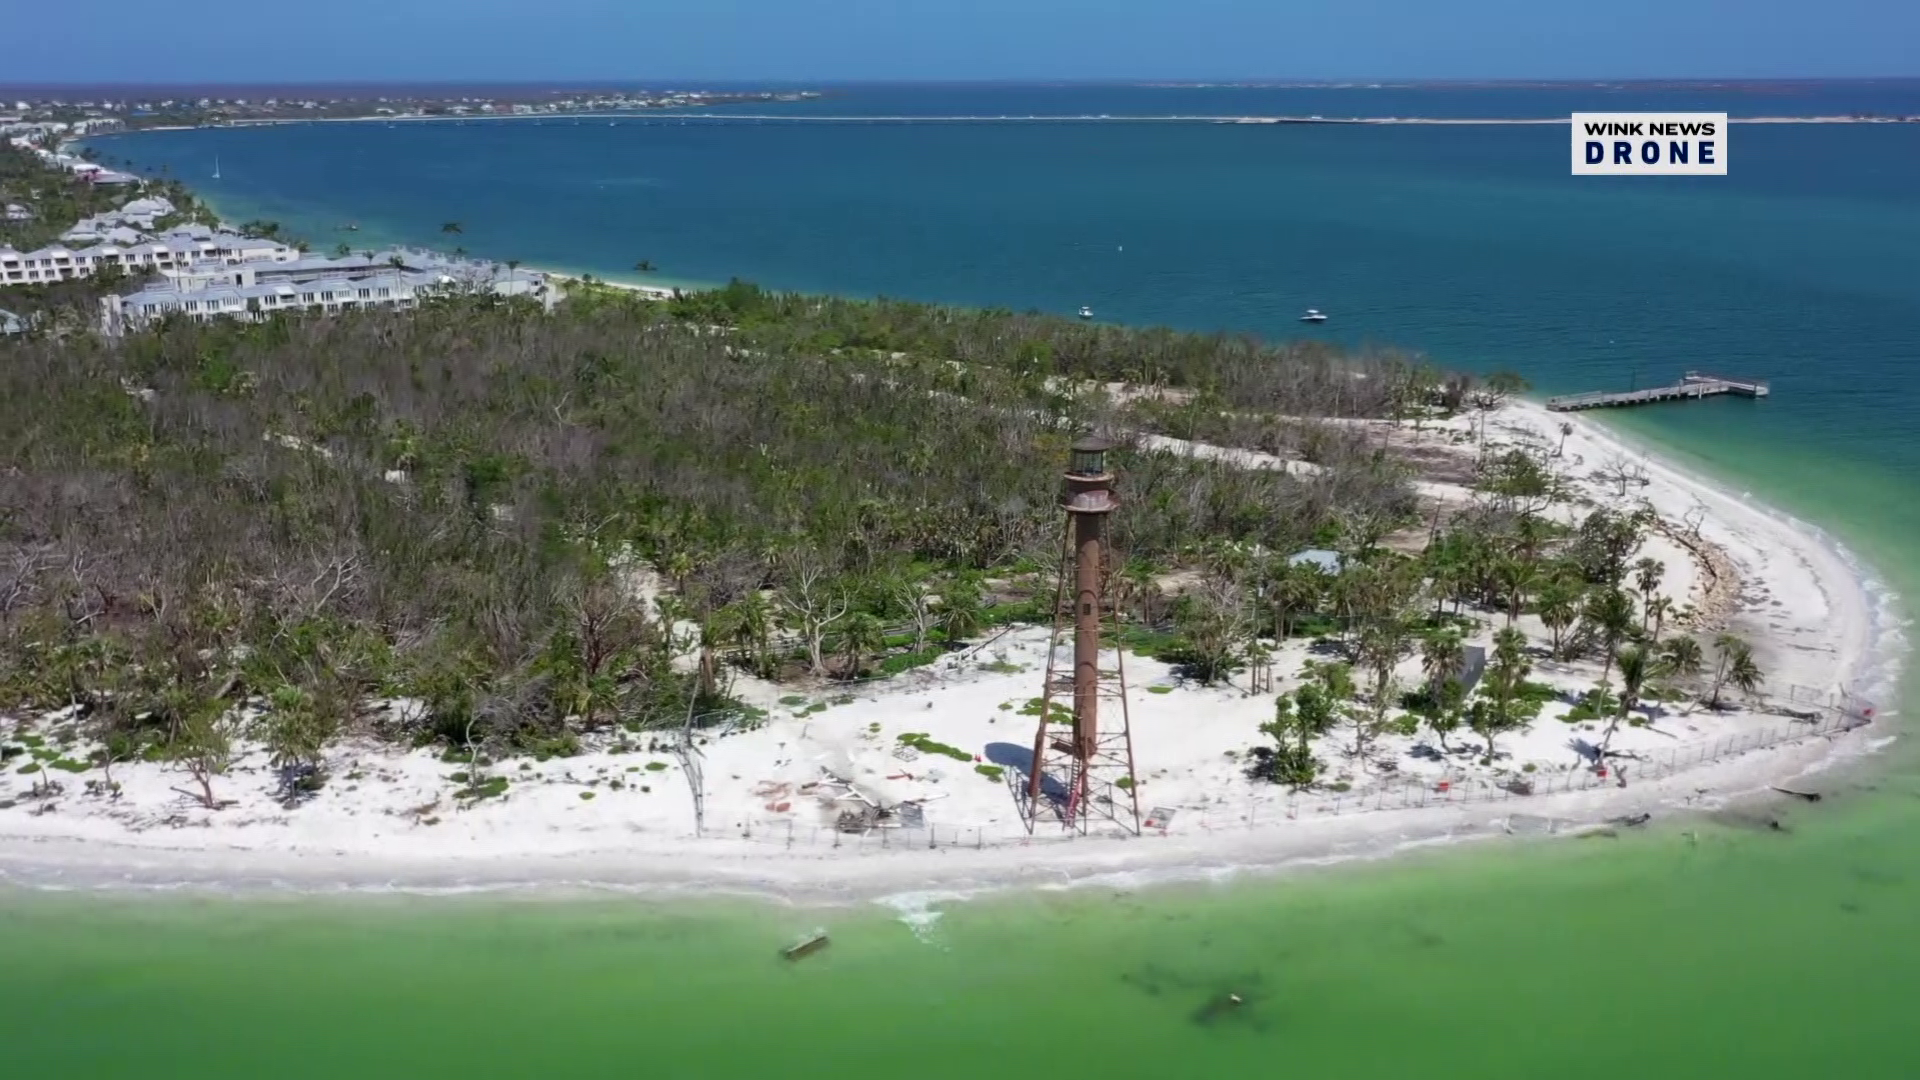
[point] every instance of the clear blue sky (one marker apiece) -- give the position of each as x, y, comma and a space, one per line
827, 40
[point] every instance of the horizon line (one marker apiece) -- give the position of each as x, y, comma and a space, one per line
1277, 81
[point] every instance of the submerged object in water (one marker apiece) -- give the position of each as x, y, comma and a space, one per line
806, 946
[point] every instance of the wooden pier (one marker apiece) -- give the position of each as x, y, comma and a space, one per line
1696, 384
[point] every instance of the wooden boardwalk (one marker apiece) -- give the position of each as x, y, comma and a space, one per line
1696, 384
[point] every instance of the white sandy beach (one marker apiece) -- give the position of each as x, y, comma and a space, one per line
1819, 630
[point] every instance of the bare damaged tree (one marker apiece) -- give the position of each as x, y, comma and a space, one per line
921, 606
1621, 471
815, 602
20, 582
1694, 517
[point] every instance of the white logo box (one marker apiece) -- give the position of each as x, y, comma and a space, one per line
1649, 144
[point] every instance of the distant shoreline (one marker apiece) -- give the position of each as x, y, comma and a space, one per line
1376, 121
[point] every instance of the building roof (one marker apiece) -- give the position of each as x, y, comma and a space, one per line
169, 294
1328, 561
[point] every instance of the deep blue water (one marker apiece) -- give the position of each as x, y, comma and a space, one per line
1468, 243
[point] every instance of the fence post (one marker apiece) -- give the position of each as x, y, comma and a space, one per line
789, 834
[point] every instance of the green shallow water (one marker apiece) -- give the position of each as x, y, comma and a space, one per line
1736, 953
1731, 953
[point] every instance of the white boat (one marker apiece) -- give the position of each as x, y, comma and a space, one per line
1086, 313
1313, 315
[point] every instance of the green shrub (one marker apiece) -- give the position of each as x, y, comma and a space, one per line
490, 788
1059, 714
586, 796
991, 772
928, 746
899, 662
562, 746
656, 766
1159, 689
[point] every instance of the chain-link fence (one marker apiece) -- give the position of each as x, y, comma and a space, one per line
1405, 793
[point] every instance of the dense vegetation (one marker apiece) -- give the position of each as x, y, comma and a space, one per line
455, 506
464, 509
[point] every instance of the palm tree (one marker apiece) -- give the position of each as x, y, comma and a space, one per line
1566, 429
1646, 577
679, 568
1635, 666
1516, 578
1383, 643
961, 611
1443, 712
1744, 673
1507, 671
1680, 658
513, 267
862, 636
1137, 581
1558, 603
1610, 614
1529, 536
1297, 588
1446, 575
748, 623
1736, 666
711, 634
1442, 654
1655, 616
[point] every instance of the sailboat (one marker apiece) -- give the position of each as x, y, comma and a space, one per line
216, 166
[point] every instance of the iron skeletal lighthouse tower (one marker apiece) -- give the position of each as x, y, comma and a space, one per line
1086, 771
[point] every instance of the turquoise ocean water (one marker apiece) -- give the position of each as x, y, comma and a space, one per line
1734, 953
